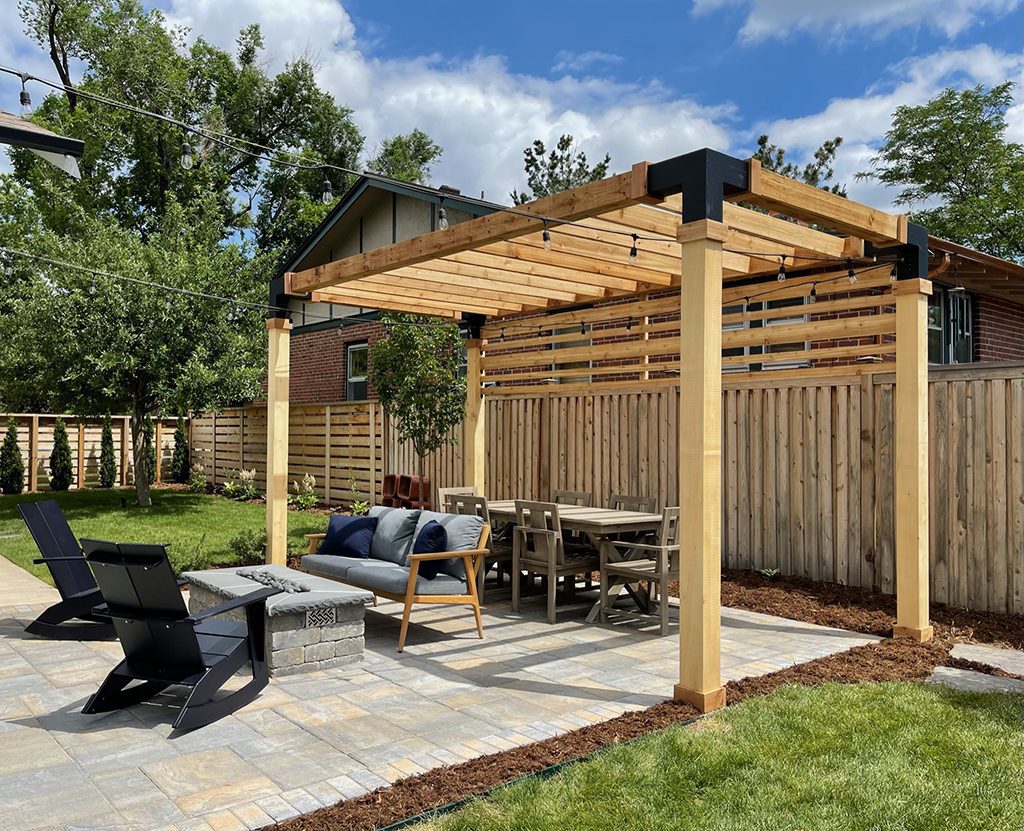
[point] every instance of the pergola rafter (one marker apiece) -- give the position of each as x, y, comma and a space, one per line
709, 247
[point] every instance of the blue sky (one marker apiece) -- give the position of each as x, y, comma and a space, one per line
644, 80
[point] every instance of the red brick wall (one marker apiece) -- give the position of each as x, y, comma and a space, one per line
318, 361
998, 329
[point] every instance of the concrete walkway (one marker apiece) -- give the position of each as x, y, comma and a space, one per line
21, 590
1009, 660
311, 740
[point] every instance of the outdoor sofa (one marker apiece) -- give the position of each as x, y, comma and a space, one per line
400, 554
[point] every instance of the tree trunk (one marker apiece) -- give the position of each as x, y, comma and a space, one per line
422, 471
140, 456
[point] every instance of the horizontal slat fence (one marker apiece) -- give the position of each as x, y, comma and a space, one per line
341, 445
35, 440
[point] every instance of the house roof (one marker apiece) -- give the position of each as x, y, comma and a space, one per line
976, 271
17, 132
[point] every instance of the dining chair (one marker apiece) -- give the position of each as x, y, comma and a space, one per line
581, 498
627, 502
444, 493
500, 550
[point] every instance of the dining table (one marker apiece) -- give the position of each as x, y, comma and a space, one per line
597, 523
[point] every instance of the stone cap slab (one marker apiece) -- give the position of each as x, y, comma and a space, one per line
302, 592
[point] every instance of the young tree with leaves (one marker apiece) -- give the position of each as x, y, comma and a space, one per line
108, 461
953, 151
62, 472
408, 157
564, 167
12, 465
415, 370
180, 457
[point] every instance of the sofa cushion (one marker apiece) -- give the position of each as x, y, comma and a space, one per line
395, 580
333, 566
396, 529
430, 539
348, 536
463, 532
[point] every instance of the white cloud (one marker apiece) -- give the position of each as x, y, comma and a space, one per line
839, 19
580, 61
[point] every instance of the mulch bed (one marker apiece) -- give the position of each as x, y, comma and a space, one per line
793, 598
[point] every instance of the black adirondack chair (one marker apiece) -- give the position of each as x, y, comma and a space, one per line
165, 645
75, 616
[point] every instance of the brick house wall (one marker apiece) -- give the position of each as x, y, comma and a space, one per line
998, 329
318, 363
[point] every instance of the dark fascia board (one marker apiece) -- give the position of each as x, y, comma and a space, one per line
33, 138
361, 185
339, 322
704, 177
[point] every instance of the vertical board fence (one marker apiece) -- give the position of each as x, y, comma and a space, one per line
807, 470
35, 440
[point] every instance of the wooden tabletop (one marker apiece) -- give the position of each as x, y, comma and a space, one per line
601, 521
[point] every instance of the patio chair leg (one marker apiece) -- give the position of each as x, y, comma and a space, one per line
604, 597
663, 602
405, 625
552, 594
516, 579
480, 575
112, 694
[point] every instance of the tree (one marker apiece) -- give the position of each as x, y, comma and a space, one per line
62, 472
953, 151
409, 157
149, 447
180, 457
12, 465
108, 463
563, 168
415, 370
816, 173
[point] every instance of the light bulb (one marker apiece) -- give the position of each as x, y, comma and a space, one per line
893, 275
782, 270
187, 159
26, 102
546, 236
853, 277
813, 296
442, 219
327, 194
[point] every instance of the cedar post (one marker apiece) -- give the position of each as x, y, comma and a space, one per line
278, 358
475, 428
33, 454
700, 465
911, 449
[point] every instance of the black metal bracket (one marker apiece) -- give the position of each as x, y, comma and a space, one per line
473, 324
278, 300
911, 257
704, 178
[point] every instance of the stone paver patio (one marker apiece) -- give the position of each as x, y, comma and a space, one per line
311, 740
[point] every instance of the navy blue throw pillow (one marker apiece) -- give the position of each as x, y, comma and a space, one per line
431, 539
349, 536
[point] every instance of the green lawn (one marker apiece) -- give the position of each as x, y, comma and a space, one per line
177, 517
872, 757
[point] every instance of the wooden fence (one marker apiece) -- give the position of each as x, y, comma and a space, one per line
35, 440
807, 483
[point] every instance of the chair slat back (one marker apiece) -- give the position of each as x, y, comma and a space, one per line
532, 517
669, 532
579, 498
469, 505
54, 538
627, 502
147, 608
444, 496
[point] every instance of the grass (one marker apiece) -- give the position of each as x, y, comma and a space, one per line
872, 757
181, 519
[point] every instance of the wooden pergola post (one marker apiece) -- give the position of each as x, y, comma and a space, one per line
278, 358
911, 486
700, 465
475, 427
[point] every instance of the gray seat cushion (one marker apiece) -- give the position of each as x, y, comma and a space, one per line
335, 567
395, 580
395, 533
463, 535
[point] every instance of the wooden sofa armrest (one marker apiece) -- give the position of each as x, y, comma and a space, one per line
445, 555
314, 542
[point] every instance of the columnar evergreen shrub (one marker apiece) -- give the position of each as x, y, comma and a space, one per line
108, 461
12, 465
180, 459
62, 472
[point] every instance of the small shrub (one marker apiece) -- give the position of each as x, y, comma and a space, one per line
189, 557
197, 482
242, 486
62, 473
250, 547
359, 507
180, 457
108, 461
305, 493
12, 465
149, 444
769, 573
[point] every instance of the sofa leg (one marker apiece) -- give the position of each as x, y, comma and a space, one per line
405, 626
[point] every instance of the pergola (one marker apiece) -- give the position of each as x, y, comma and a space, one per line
711, 231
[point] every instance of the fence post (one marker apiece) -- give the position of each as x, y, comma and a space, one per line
124, 451
327, 452
33, 454
81, 454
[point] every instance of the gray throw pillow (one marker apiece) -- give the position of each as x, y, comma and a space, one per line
396, 530
463, 535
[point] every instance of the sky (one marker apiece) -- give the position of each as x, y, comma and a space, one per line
645, 80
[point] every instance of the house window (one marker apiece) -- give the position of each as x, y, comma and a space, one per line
356, 355
950, 331
572, 344
758, 353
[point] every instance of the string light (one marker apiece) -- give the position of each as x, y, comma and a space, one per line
850, 273
629, 324
546, 236
25, 100
583, 328
782, 269
442, 216
327, 192
633, 251
501, 337
186, 156
893, 274
813, 296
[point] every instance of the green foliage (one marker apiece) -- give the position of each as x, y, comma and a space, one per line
12, 465
304, 493
149, 437
241, 486
108, 462
564, 167
769, 573
197, 481
953, 151
359, 507
189, 556
180, 456
62, 472
407, 157
816, 173
249, 547
415, 370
